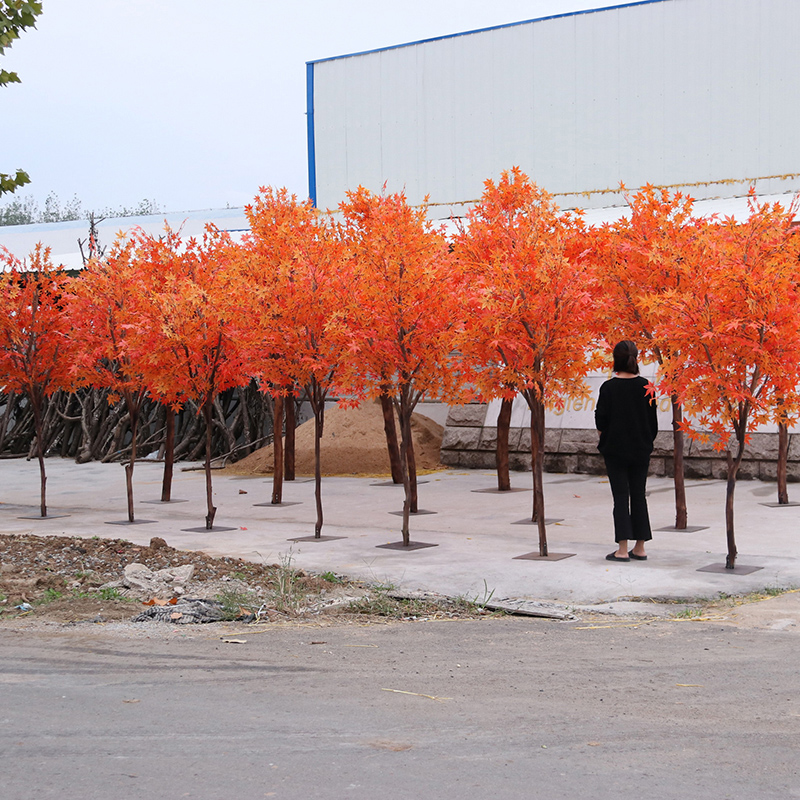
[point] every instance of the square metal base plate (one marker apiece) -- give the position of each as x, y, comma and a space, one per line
421, 513
687, 529
49, 516
737, 570
549, 557
499, 491
779, 505
203, 529
547, 521
128, 522
162, 502
401, 546
392, 483
315, 538
277, 505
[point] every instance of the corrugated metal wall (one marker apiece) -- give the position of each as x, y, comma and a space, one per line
677, 91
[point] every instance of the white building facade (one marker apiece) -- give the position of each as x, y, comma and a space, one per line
699, 95
670, 92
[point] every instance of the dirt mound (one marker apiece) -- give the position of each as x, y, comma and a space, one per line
353, 443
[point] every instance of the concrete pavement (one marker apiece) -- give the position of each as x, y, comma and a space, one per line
475, 532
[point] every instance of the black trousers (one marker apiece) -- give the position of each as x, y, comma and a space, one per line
628, 479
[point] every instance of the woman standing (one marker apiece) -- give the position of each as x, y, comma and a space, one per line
626, 418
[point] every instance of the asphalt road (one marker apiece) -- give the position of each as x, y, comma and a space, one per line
500, 708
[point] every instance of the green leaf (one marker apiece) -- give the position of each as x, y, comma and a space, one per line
8, 77
9, 183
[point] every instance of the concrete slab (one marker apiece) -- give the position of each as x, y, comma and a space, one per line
476, 534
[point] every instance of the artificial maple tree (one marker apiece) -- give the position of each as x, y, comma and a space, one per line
105, 314
652, 252
196, 324
152, 259
400, 328
35, 350
298, 272
734, 333
530, 326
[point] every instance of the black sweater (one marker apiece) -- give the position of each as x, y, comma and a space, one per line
626, 418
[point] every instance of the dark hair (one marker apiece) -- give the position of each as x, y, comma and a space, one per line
625, 354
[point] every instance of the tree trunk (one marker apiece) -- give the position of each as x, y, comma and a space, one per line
317, 399
87, 403
277, 450
681, 519
411, 459
390, 430
247, 434
733, 470
316, 396
37, 420
96, 430
221, 425
783, 457
133, 411
11, 402
537, 463
208, 410
169, 455
501, 455
289, 450
404, 415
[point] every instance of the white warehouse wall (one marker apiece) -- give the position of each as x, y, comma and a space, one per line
665, 91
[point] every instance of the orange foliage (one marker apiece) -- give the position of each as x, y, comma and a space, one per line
406, 306
297, 275
638, 258
34, 357
734, 330
532, 297
193, 316
105, 313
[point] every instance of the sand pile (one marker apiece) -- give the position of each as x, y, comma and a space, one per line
353, 443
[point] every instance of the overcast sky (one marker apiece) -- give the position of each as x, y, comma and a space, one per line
195, 103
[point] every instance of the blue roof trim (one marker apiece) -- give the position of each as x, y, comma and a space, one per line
312, 156
491, 28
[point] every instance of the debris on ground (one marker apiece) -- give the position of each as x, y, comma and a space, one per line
69, 579
185, 611
141, 582
530, 608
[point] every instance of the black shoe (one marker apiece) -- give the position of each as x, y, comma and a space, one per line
614, 557
635, 557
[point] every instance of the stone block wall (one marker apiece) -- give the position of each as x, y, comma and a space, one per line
467, 443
